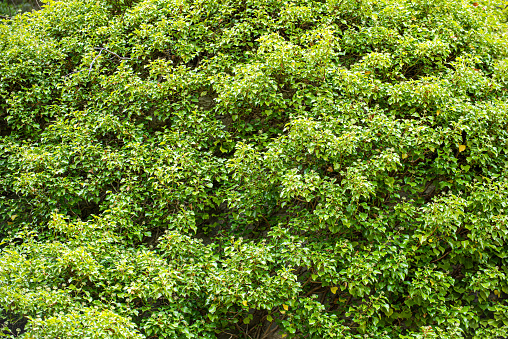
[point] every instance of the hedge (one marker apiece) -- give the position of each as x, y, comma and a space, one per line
254, 169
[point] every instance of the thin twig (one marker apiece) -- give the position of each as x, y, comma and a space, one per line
38, 5
242, 330
349, 299
308, 281
93, 62
433, 261
262, 216
73, 73
107, 50
272, 331
266, 331
258, 332
313, 290
323, 297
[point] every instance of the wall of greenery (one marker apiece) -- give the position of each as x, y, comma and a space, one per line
254, 169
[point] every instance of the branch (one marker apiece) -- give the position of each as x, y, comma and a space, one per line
93, 62
313, 290
107, 50
242, 331
267, 335
444, 255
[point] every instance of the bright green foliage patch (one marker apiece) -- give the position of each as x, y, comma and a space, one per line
240, 169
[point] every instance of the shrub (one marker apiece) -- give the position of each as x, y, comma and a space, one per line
238, 169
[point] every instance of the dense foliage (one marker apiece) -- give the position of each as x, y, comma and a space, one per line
252, 168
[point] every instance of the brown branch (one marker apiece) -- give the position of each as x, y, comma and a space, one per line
267, 335
347, 302
242, 331
324, 296
313, 290
263, 336
308, 280
262, 216
444, 255
258, 332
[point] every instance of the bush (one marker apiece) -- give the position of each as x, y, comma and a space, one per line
241, 169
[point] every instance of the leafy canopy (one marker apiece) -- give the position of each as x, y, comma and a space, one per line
240, 169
